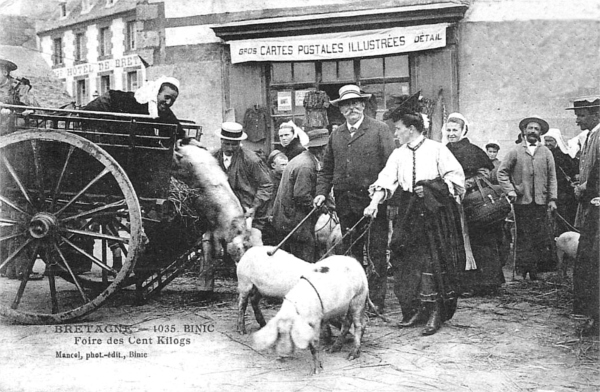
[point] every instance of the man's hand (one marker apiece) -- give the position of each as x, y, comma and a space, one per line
371, 210
512, 196
4, 112
419, 190
552, 206
250, 213
579, 190
319, 200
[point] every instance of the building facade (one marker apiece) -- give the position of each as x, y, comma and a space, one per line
94, 46
495, 61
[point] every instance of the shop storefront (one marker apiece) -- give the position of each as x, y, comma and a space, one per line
279, 69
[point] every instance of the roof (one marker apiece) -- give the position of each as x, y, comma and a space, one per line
75, 15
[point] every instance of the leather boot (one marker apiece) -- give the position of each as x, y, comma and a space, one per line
435, 320
417, 318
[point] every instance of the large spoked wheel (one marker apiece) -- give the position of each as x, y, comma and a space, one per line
67, 210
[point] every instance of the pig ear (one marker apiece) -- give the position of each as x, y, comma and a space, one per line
266, 337
302, 333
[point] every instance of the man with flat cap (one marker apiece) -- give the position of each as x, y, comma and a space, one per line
586, 289
247, 173
13, 92
528, 176
356, 152
295, 197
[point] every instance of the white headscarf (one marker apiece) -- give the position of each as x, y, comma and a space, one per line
556, 135
464, 131
148, 93
298, 132
576, 143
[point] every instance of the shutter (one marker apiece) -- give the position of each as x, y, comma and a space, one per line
138, 82
111, 80
98, 85
74, 92
88, 94
124, 78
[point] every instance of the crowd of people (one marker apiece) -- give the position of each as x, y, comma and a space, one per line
409, 199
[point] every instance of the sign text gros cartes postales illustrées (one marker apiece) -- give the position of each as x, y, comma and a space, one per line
340, 45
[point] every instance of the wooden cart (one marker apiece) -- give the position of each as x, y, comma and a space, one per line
84, 197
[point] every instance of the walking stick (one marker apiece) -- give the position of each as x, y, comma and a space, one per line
287, 237
512, 209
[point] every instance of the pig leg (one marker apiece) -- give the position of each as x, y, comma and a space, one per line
254, 300
317, 366
562, 267
359, 320
242, 304
346, 323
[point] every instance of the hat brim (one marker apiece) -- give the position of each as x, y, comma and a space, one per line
364, 97
8, 65
538, 120
318, 142
583, 107
243, 137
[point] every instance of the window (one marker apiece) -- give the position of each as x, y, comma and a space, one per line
81, 92
130, 35
79, 47
58, 51
104, 42
63, 9
386, 78
104, 84
132, 81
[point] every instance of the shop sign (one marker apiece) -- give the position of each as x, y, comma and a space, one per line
101, 66
340, 45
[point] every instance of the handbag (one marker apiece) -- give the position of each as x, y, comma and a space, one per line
485, 206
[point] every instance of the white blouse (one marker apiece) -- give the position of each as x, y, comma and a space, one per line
432, 160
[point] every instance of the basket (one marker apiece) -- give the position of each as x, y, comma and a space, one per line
485, 206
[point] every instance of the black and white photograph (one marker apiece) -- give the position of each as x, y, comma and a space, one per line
311, 195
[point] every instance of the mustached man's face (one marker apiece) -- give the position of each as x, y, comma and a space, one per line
586, 119
352, 110
229, 147
532, 132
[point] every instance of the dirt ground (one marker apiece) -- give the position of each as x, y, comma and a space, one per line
524, 339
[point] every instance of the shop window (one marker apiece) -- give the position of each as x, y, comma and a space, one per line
304, 72
396, 66
371, 68
130, 35
337, 71
281, 73
58, 57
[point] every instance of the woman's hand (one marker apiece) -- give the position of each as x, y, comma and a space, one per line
371, 210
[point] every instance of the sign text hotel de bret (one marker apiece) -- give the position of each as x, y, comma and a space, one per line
101, 66
340, 45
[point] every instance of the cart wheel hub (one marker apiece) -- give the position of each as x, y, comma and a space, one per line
42, 225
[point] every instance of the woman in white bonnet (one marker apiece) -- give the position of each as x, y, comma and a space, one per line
154, 98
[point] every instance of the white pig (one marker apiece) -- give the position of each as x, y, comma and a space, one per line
262, 275
336, 287
566, 249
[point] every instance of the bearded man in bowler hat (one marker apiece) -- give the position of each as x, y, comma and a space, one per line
528, 176
356, 152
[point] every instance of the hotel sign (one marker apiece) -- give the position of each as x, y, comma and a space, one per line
340, 45
101, 66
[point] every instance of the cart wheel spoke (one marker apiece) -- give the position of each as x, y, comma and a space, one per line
86, 214
68, 267
83, 191
25, 279
14, 206
96, 235
18, 181
12, 236
8, 222
94, 260
39, 170
16, 252
113, 231
60, 178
